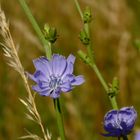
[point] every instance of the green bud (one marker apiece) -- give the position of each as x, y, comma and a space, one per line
87, 17
113, 88
84, 38
46, 28
50, 33
111, 92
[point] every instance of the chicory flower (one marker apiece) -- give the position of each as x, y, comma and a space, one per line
119, 123
54, 76
137, 135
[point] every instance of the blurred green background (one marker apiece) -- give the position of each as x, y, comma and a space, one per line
115, 26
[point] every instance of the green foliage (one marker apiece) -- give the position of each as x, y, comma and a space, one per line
87, 16
113, 88
84, 37
50, 33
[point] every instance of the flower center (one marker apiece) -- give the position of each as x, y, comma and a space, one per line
54, 82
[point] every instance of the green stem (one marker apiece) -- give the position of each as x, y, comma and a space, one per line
89, 46
90, 61
125, 138
113, 102
46, 44
86, 28
57, 106
100, 77
104, 84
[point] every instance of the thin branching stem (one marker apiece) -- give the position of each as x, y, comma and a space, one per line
92, 63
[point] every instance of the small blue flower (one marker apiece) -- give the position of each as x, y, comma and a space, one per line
54, 76
119, 123
137, 135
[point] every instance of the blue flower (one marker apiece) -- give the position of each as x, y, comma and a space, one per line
137, 135
54, 76
119, 123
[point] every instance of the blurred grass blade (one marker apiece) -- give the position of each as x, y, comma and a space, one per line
36, 27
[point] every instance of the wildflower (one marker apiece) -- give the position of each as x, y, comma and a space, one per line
54, 76
137, 135
119, 123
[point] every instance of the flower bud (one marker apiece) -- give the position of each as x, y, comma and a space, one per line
50, 33
113, 88
119, 123
87, 17
84, 37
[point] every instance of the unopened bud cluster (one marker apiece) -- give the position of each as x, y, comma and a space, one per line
87, 17
84, 37
50, 33
113, 88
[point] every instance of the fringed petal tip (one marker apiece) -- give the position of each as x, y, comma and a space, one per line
71, 59
30, 76
78, 80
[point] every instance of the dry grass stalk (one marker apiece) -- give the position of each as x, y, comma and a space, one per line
11, 54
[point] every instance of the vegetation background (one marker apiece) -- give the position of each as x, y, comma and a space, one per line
115, 27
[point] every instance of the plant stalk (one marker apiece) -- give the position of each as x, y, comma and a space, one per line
60, 124
125, 138
47, 45
78, 8
91, 63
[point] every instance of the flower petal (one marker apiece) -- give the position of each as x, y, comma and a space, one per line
42, 64
78, 80
43, 84
42, 91
45, 93
31, 77
66, 87
109, 120
38, 76
69, 67
68, 78
55, 94
39, 89
71, 59
68, 70
58, 64
128, 117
